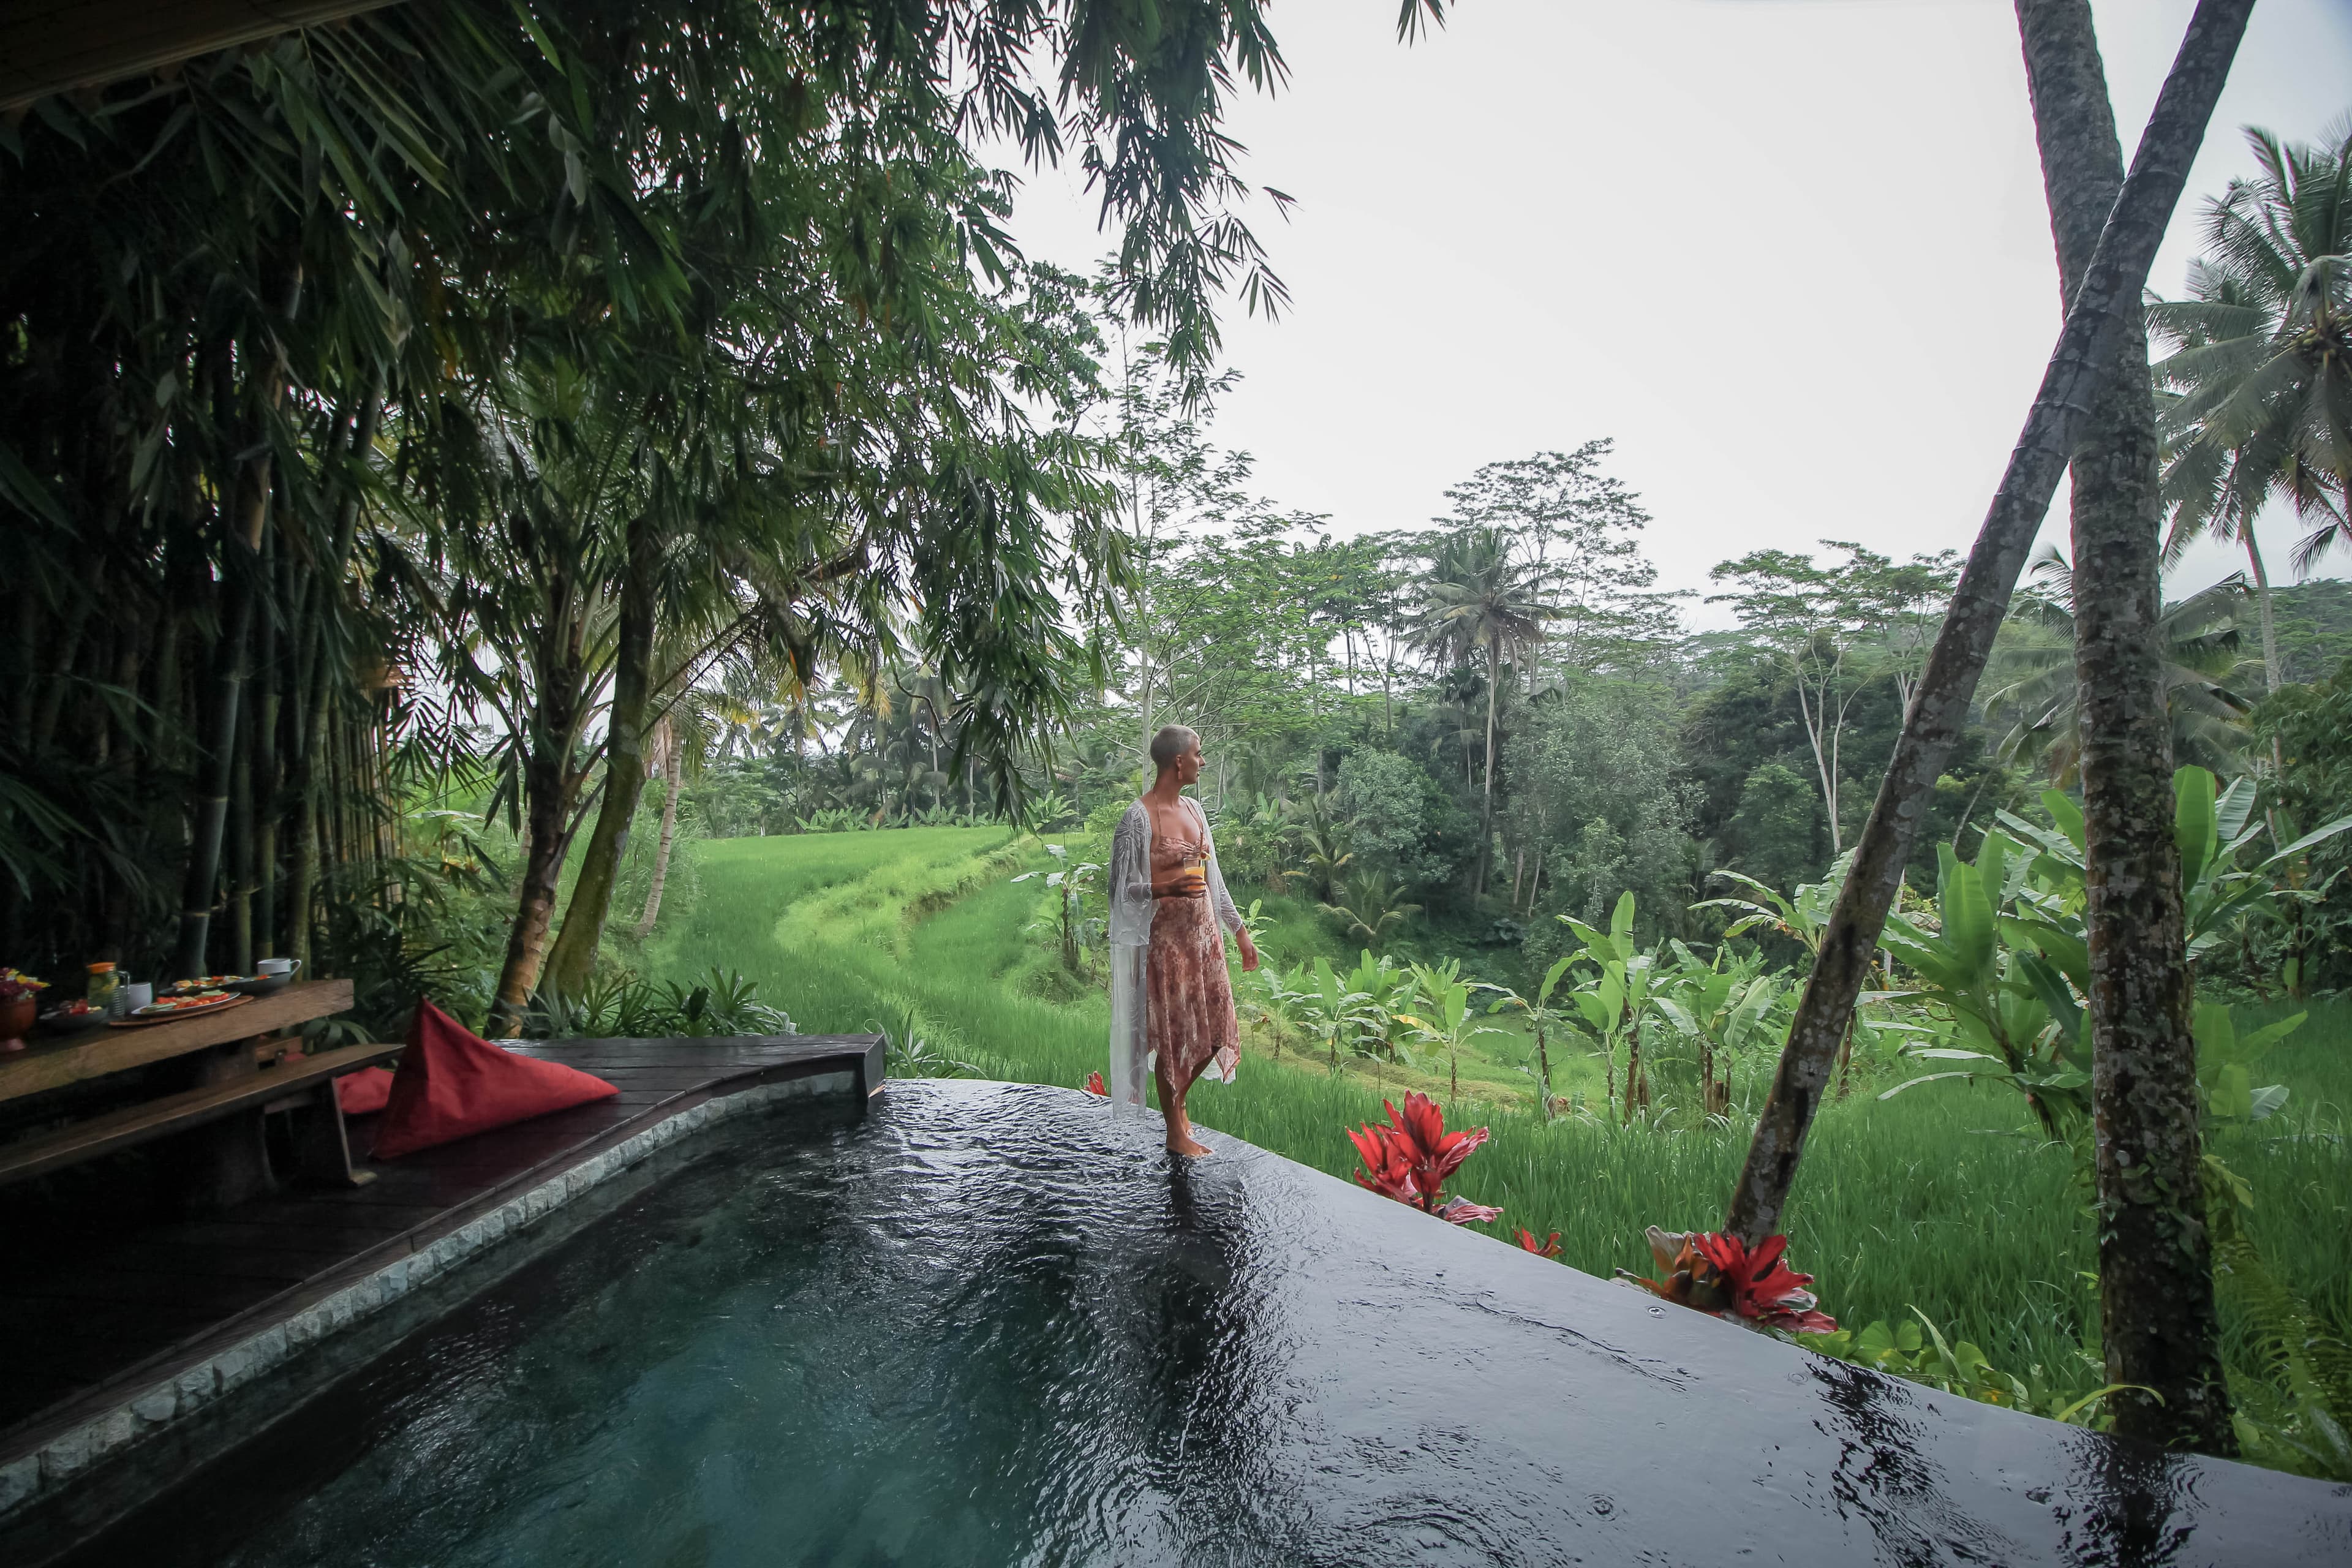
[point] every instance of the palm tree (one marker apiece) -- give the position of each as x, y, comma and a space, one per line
2259, 380
1479, 600
2037, 690
1371, 906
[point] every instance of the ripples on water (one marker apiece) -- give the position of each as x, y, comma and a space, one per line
990, 1325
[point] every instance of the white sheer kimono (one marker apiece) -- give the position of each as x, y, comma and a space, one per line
1132, 909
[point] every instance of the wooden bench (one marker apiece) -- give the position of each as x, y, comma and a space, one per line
224, 1105
304, 1084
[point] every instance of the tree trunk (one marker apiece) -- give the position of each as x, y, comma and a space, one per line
2263, 602
1543, 1072
1939, 708
573, 960
1637, 1082
1487, 805
544, 800
548, 786
1822, 767
673, 778
2156, 1280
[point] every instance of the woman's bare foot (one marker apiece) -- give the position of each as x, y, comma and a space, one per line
1191, 1148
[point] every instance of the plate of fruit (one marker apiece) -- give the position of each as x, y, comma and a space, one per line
73, 1017
163, 1009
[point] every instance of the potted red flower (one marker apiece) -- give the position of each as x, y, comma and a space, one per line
1710, 1272
20, 1003
1410, 1159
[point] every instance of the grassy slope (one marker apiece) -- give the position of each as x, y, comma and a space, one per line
1931, 1199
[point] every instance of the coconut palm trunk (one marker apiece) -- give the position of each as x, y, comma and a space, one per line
1487, 805
2158, 1323
2262, 603
2110, 283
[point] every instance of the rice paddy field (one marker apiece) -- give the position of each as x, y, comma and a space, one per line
1937, 1199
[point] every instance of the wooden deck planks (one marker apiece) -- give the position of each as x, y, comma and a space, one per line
140, 1304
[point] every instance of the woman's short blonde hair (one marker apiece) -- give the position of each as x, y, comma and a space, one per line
1172, 742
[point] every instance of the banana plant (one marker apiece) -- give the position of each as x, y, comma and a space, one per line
2211, 829
1801, 919
1445, 999
1540, 1017
1334, 1009
1390, 989
2011, 1004
1613, 1003
1282, 1000
1723, 1009
1073, 883
2225, 1061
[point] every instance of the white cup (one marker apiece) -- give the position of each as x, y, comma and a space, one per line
274, 966
137, 994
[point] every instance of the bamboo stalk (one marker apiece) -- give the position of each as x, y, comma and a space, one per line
240, 846
211, 808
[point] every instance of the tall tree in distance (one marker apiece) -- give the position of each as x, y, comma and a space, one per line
1820, 623
1482, 601
2159, 1324
1578, 530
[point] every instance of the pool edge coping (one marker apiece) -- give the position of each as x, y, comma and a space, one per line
48, 1459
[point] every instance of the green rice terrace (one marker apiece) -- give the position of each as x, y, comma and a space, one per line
1938, 1205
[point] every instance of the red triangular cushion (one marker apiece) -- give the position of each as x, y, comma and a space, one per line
451, 1084
363, 1092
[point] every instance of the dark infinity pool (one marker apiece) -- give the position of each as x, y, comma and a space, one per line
987, 1325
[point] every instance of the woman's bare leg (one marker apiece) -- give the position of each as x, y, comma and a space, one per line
1171, 1106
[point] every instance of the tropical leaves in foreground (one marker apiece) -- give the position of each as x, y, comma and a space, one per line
723, 1002
1931, 1357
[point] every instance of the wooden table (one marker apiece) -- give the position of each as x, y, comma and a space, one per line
97, 1052
232, 1162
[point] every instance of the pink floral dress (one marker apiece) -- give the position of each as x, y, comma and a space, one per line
1189, 997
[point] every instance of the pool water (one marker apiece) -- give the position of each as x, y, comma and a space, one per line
987, 1324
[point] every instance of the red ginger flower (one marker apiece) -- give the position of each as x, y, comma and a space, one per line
1095, 1085
1711, 1272
1550, 1247
1410, 1159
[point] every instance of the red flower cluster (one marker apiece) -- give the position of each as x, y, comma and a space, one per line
1550, 1247
1095, 1085
1412, 1157
1710, 1272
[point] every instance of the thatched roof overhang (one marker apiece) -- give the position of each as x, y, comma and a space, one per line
60, 46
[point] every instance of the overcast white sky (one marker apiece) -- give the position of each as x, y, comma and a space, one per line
1790, 254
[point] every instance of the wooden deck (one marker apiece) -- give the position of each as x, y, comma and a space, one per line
126, 1309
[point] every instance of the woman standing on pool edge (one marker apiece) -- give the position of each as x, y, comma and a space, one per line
1171, 1001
